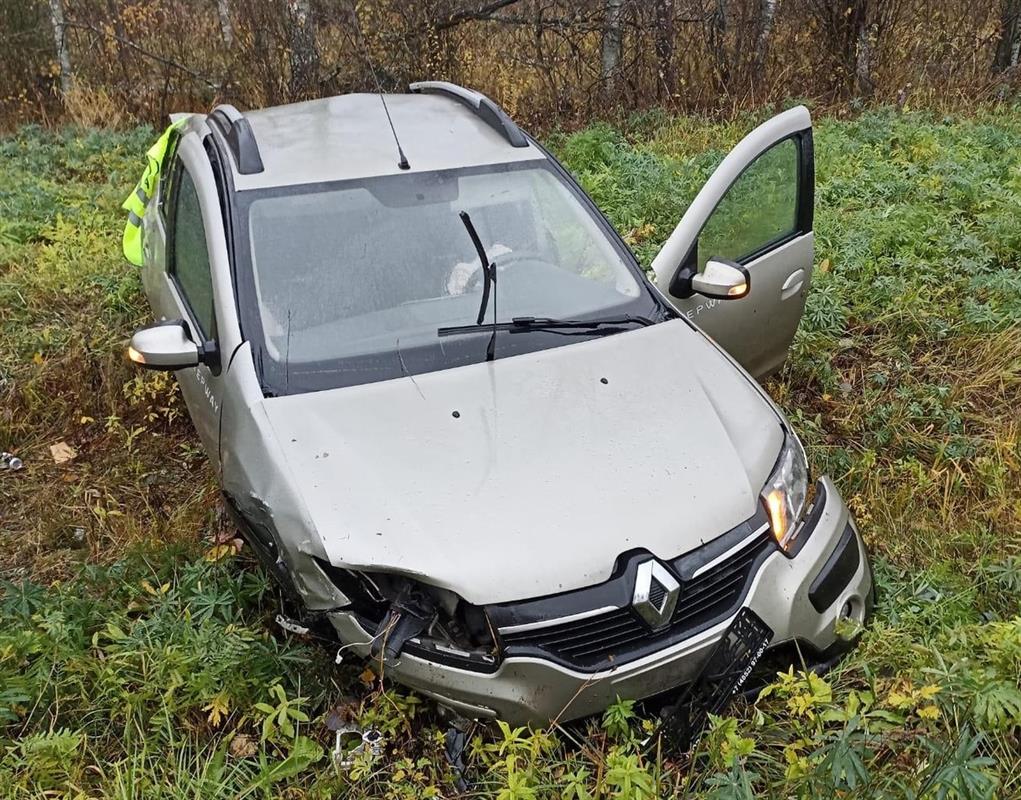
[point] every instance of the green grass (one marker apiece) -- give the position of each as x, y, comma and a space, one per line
136, 661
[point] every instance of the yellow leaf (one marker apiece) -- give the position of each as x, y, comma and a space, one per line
929, 712
218, 708
824, 265
899, 699
928, 692
219, 552
38, 358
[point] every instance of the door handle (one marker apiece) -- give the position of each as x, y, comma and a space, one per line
793, 284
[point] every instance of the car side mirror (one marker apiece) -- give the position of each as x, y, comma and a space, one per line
165, 346
722, 279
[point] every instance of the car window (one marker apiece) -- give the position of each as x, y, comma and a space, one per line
758, 209
379, 266
189, 261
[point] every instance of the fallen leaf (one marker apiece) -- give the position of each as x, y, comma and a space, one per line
62, 452
220, 552
243, 746
824, 265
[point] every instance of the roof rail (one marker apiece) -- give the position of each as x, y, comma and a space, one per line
240, 140
484, 108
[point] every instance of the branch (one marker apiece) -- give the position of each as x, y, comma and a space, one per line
167, 62
483, 12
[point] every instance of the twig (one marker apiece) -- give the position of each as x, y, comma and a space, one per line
168, 62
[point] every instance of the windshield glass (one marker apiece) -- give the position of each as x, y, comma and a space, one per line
351, 283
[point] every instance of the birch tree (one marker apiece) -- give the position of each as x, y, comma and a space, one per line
612, 38
60, 42
226, 28
767, 13
1009, 43
304, 50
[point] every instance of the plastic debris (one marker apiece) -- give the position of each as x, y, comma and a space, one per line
353, 742
10, 461
291, 626
454, 744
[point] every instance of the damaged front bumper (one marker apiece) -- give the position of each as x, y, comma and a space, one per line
799, 598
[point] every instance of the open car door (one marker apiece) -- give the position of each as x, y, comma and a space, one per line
753, 218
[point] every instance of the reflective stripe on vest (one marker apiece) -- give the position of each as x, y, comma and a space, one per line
138, 200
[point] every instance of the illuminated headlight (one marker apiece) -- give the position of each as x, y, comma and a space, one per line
785, 494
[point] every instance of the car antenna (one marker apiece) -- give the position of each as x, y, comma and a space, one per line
488, 282
287, 356
402, 162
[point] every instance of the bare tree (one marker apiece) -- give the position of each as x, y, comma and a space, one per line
303, 50
663, 36
226, 28
717, 38
767, 13
863, 36
1009, 43
60, 40
612, 38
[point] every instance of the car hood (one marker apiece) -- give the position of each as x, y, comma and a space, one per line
530, 475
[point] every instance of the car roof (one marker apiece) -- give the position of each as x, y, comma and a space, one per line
348, 136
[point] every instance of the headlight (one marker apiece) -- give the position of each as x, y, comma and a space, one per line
786, 493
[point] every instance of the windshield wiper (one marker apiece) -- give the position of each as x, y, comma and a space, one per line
549, 324
488, 283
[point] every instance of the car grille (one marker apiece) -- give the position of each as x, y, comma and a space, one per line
620, 635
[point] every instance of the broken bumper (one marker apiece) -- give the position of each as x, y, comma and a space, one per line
785, 593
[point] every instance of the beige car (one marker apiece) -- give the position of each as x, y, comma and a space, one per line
463, 428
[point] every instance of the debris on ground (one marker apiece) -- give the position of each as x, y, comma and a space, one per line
290, 625
352, 742
453, 748
10, 461
62, 452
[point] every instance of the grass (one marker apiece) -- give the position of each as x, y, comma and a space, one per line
138, 657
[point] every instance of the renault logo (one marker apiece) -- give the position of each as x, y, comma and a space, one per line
656, 592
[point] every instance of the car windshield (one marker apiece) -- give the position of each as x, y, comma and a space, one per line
352, 282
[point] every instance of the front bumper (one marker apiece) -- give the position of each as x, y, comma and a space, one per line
536, 690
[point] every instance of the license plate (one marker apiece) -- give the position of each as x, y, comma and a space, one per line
721, 676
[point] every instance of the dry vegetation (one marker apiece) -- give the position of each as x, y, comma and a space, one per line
548, 62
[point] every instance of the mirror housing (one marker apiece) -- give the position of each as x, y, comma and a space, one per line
166, 346
722, 279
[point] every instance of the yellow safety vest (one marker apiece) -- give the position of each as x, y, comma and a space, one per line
137, 201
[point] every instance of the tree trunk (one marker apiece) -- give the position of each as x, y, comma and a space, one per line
60, 41
718, 43
863, 59
1010, 37
226, 28
664, 41
612, 37
767, 13
304, 50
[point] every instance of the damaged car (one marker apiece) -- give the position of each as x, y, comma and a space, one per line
460, 424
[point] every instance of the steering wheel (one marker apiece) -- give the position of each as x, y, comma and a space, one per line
503, 260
